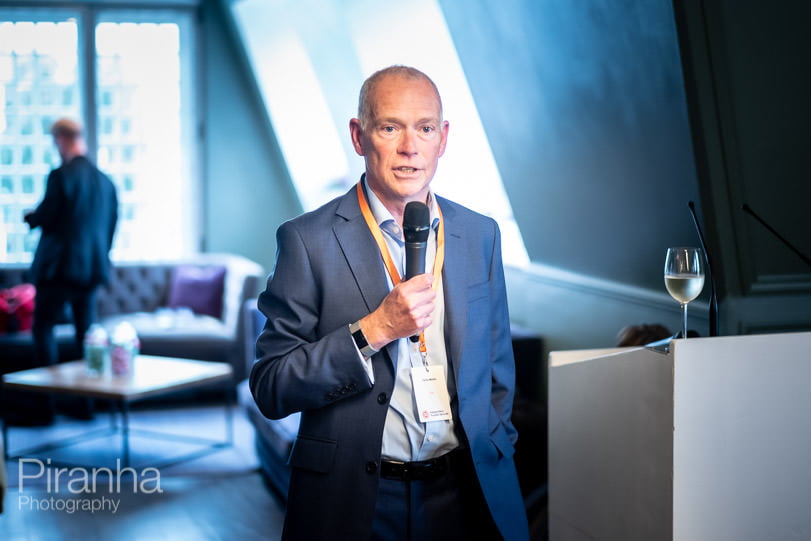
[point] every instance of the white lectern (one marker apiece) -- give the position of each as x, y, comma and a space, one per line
709, 441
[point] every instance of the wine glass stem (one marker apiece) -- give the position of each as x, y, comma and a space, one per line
684, 317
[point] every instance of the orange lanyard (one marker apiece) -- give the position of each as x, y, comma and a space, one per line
394, 274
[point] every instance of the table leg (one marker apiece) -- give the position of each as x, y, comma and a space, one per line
229, 418
113, 418
5, 440
125, 433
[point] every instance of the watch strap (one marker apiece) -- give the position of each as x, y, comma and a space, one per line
360, 340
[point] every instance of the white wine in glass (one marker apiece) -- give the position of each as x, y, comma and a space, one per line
684, 277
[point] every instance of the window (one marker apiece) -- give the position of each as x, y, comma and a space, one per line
143, 119
38, 57
145, 129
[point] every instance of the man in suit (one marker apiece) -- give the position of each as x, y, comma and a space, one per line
398, 439
78, 216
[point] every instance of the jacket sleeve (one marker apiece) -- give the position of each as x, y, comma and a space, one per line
299, 365
113, 215
50, 208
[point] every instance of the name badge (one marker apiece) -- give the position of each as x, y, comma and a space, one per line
431, 392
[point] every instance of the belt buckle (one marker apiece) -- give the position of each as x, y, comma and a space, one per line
418, 470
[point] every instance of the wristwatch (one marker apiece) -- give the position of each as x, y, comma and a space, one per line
360, 340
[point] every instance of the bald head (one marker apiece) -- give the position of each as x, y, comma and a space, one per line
366, 104
66, 127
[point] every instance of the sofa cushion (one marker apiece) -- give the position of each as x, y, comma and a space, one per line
16, 308
200, 288
168, 322
178, 333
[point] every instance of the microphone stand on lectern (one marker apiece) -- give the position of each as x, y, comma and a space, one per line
747, 209
713, 289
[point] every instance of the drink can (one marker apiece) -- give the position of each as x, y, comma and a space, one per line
96, 351
124, 348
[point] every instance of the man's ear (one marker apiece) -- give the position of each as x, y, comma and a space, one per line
444, 143
357, 135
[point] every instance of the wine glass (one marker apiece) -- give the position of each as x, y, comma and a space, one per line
684, 276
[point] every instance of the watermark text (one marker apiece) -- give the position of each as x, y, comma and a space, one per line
70, 490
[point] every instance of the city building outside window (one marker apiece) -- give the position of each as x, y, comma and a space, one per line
141, 130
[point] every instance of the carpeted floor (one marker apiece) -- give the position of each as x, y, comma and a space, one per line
219, 495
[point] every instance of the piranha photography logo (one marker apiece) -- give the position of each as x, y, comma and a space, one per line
78, 489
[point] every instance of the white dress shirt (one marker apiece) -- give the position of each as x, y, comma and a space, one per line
405, 437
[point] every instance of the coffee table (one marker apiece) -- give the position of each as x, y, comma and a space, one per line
151, 376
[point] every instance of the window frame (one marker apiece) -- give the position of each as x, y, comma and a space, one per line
88, 14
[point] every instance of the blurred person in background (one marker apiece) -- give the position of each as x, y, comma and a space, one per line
78, 217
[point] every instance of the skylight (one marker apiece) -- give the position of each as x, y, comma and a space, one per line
310, 63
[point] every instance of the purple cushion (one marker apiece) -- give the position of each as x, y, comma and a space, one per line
198, 288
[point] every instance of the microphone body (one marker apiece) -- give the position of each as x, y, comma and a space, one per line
416, 227
415, 258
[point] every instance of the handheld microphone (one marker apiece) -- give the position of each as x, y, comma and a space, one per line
747, 209
713, 290
416, 227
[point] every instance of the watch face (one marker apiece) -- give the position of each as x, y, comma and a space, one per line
357, 336
360, 340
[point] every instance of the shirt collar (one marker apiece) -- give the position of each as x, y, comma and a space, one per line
384, 217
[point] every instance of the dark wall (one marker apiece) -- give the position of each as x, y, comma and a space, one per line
584, 107
747, 66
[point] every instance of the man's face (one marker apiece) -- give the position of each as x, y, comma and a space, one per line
403, 141
62, 144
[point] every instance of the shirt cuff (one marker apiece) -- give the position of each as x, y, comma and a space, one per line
366, 363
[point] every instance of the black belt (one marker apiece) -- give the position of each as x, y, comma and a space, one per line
421, 470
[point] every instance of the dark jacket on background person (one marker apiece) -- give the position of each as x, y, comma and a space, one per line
78, 217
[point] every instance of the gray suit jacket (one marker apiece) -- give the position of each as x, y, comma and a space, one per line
328, 274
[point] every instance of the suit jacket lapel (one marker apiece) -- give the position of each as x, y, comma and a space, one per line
361, 253
455, 285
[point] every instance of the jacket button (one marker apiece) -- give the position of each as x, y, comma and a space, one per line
381, 398
371, 467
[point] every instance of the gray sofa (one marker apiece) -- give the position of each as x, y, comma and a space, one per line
139, 292
273, 438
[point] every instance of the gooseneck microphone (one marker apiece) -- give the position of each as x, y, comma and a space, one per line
747, 209
416, 227
713, 289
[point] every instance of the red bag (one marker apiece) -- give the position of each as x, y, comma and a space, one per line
17, 308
